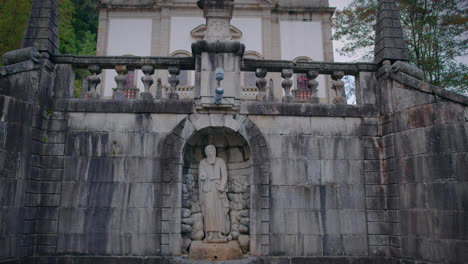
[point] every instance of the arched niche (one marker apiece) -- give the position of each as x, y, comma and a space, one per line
182, 150
234, 150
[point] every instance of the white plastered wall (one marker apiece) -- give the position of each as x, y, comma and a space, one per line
127, 37
251, 32
300, 39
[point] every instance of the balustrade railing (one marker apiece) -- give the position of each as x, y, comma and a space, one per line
264, 91
312, 70
122, 65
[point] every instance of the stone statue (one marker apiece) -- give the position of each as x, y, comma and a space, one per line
212, 182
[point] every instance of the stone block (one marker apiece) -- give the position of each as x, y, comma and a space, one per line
447, 196
312, 245
355, 245
289, 172
413, 195
377, 228
375, 190
378, 240
375, 203
353, 222
145, 244
461, 166
350, 196
46, 226
285, 245
376, 216
378, 250
335, 148
342, 171
372, 153
333, 245
427, 167
310, 223
215, 252
331, 221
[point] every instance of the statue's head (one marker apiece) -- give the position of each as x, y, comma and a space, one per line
210, 152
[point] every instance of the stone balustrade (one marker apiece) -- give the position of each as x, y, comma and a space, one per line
122, 65
264, 85
312, 70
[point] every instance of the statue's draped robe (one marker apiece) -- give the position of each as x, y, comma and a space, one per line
214, 204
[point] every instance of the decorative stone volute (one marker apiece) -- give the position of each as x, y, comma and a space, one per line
218, 14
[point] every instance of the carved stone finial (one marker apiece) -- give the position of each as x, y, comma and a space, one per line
147, 80
389, 42
313, 84
287, 84
261, 84
173, 80
93, 80
218, 14
338, 86
42, 29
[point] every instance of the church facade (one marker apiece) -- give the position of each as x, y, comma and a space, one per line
269, 29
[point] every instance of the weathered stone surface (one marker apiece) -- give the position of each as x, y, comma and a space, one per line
215, 251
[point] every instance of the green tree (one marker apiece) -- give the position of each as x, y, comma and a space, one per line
13, 20
434, 30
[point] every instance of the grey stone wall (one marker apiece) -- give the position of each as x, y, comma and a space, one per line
24, 91
317, 192
425, 144
111, 191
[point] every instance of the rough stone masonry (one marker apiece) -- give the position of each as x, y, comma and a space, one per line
90, 180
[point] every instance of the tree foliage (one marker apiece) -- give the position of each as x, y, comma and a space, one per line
13, 20
78, 21
435, 33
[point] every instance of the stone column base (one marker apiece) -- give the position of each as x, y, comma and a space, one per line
215, 251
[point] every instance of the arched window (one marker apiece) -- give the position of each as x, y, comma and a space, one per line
184, 76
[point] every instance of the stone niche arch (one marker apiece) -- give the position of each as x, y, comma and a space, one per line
182, 149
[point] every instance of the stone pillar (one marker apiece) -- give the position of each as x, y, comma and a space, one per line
389, 42
216, 50
218, 14
42, 29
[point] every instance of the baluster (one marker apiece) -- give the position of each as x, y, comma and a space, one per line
93, 81
121, 81
313, 84
173, 81
287, 84
338, 86
158, 89
261, 84
271, 92
147, 80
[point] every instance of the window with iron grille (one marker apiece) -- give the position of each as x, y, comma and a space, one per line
130, 79
302, 86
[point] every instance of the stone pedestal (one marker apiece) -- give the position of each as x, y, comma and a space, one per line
215, 251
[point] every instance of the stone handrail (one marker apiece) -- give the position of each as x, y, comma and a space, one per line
95, 64
109, 62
